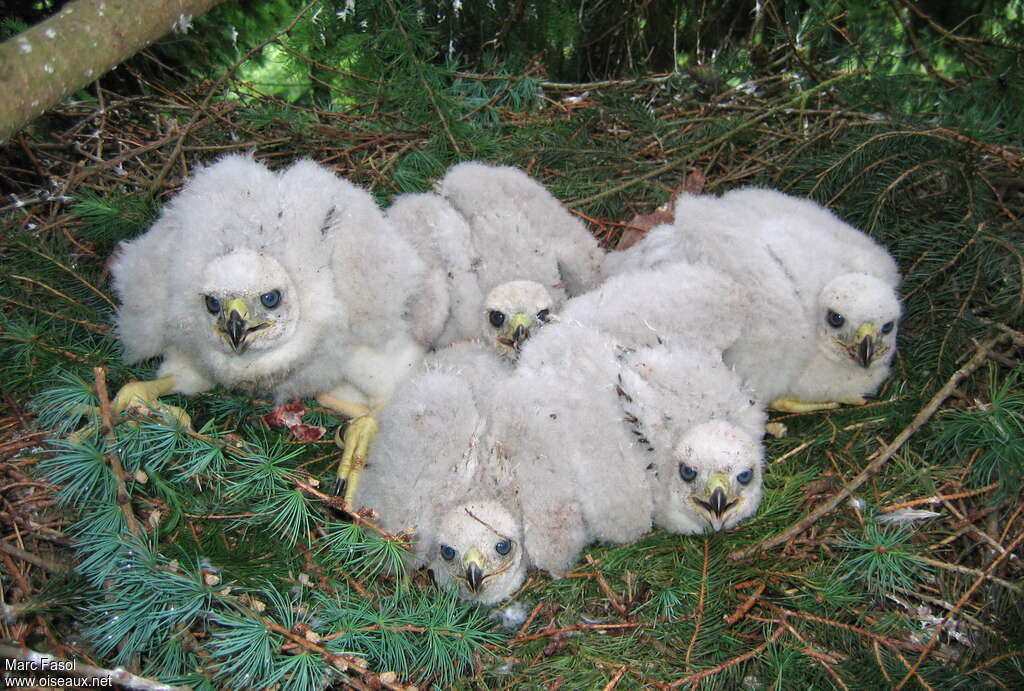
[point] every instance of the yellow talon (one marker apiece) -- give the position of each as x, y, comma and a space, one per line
356, 445
144, 394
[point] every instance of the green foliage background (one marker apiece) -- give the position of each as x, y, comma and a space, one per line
904, 117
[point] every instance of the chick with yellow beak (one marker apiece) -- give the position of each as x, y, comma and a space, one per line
854, 342
479, 548
712, 480
473, 562
513, 310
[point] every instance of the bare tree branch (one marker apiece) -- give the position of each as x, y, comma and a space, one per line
41, 66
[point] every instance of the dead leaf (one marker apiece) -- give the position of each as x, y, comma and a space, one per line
665, 213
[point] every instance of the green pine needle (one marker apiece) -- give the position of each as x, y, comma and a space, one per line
883, 559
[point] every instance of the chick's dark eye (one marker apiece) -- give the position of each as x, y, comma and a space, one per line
271, 300
447, 553
212, 305
496, 318
834, 319
503, 547
543, 315
687, 473
887, 327
745, 477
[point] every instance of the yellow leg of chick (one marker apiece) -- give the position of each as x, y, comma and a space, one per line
356, 444
795, 405
144, 395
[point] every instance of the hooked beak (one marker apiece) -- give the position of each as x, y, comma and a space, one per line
867, 339
237, 322
516, 331
717, 501
236, 325
474, 570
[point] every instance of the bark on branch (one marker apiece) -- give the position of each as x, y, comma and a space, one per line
41, 66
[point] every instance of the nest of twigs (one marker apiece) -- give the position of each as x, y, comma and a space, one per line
819, 586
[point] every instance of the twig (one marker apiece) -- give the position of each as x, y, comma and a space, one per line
614, 599
339, 503
699, 612
939, 498
745, 606
50, 665
697, 676
584, 626
956, 608
107, 415
712, 144
33, 559
882, 456
949, 566
616, 677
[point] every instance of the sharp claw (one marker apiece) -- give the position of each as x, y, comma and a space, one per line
339, 486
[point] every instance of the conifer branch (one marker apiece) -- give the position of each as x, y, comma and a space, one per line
881, 457
339, 661
185, 131
423, 79
908, 29
957, 607
692, 679
717, 141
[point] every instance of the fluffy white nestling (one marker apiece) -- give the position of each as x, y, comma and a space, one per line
284, 284
565, 396
521, 230
703, 431
821, 324
452, 465
436, 471
672, 302
487, 225
654, 338
511, 313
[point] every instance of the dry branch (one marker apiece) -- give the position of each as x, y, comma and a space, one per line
980, 355
43, 65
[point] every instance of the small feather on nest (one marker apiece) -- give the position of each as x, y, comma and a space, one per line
904, 516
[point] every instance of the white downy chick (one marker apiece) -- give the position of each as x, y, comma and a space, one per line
803, 270
703, 431
284, 284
